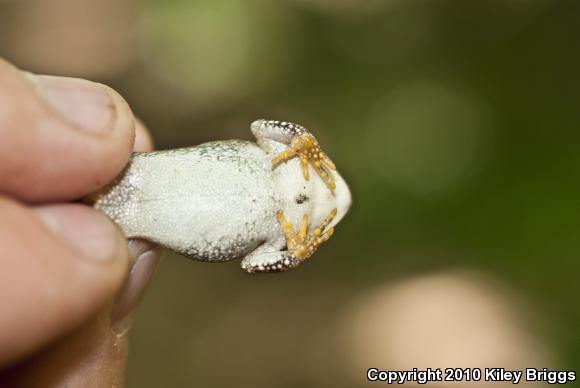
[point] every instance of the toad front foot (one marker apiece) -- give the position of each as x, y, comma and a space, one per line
301, 144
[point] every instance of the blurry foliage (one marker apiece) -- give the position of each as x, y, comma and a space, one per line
456, 124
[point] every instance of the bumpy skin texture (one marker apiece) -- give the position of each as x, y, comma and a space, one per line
218, 201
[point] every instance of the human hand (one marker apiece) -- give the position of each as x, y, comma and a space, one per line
65, 292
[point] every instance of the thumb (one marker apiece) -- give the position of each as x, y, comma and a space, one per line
59, 266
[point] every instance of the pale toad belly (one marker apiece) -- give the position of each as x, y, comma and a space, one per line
166, 197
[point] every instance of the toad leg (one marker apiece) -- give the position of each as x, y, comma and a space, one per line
301, 144
301, 245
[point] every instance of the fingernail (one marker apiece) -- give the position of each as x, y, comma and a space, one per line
145, 257
86, 105
85, 230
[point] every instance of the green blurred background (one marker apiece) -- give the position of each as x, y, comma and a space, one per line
455, 124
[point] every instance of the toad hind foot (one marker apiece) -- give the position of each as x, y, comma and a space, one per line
306, 148
301, 144
302, 245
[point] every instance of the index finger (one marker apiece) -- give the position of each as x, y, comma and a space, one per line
60, 138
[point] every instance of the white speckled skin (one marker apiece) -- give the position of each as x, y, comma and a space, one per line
218, 201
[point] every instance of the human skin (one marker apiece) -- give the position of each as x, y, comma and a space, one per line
68, 279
